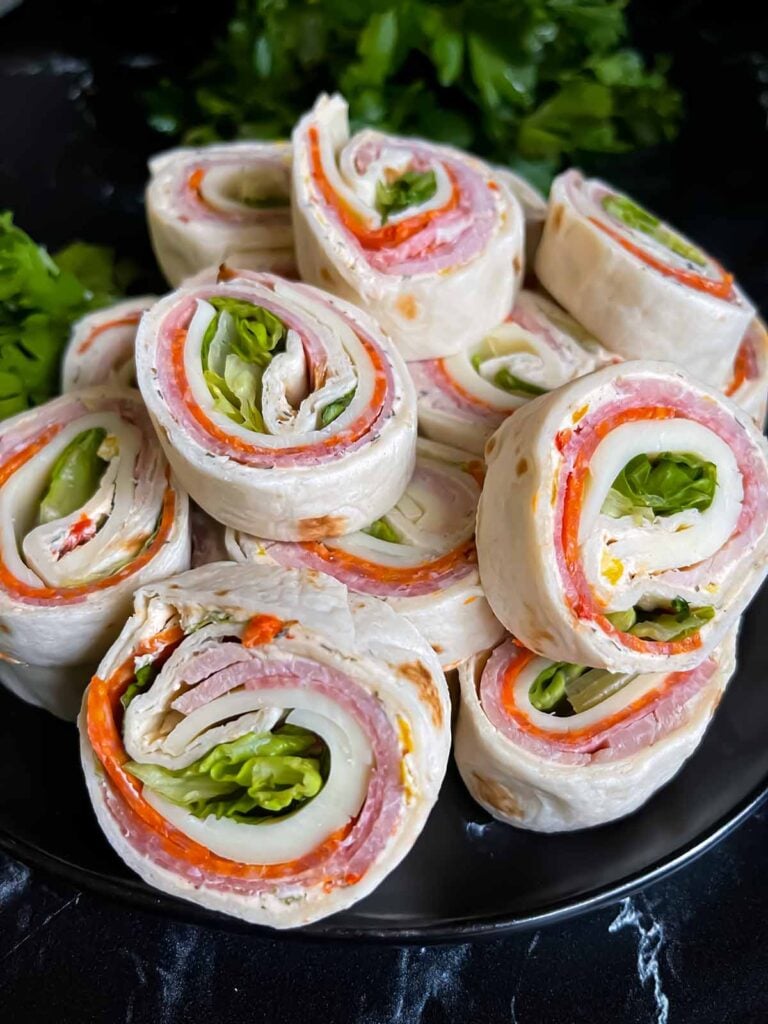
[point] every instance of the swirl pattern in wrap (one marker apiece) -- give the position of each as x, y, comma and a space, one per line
463, 399
644, 291
574, 568
550, 774
66, 585
436, 274
229, 201
421, 561
241, 647
100, 349
297, 479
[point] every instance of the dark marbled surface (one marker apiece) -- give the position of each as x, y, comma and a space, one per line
690, 949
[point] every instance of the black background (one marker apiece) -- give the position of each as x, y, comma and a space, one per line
692, 948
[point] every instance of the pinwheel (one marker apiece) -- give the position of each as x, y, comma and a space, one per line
624, 520
283, 410
553, 746
100, 350
89, 511
534, 207
641, 288
221, 202
427, 239
748, 383
462, 399
420, 557
263, 743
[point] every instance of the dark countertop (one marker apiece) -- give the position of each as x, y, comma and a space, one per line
689, 949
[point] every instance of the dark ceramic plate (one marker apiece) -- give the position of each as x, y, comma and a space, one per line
74, 143
468, 875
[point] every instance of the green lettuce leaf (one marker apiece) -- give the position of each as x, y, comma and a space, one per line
141, 680
249, 779
516, 385
237, 347
639, 219
548, 689
663, 624
335, 409
660, 485
383, 530
563, 690
75, 476
411, 189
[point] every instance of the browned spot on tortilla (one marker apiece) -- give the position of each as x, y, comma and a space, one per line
420, 676
490, 446
438, 648
225, 273
521, 467
220, 593
4, 628
516, 265
537, 639
406, 305
326, 275
557, 216
498, 797
319, 527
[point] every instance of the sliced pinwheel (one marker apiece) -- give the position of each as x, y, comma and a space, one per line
427, 239
262, 743
556, 746
227, 201
284, 411
641, 288
420, 557
89, 510
624, 520
100, 350
462, 399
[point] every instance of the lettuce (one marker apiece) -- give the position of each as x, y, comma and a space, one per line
252, 778
141, 680
75, 476
563, 689
660, 485
409, 189
335, 409
516, 385
237, 347
40, 298
639, 219
663, 624
382, 530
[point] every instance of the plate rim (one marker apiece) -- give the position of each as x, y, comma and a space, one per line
137, 894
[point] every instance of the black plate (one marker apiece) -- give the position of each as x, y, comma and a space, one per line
74, 145
468, 875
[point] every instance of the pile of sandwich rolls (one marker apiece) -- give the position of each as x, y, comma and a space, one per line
401, 416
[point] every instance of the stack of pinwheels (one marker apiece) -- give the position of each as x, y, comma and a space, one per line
427, 421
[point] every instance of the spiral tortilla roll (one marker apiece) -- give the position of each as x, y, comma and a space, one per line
221, 202
639, 499
643, 290
534, 207
228, 660
80, 529
552, 773
100, 349
748, 384
463, 399
427, 239
420, 557
313, 438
